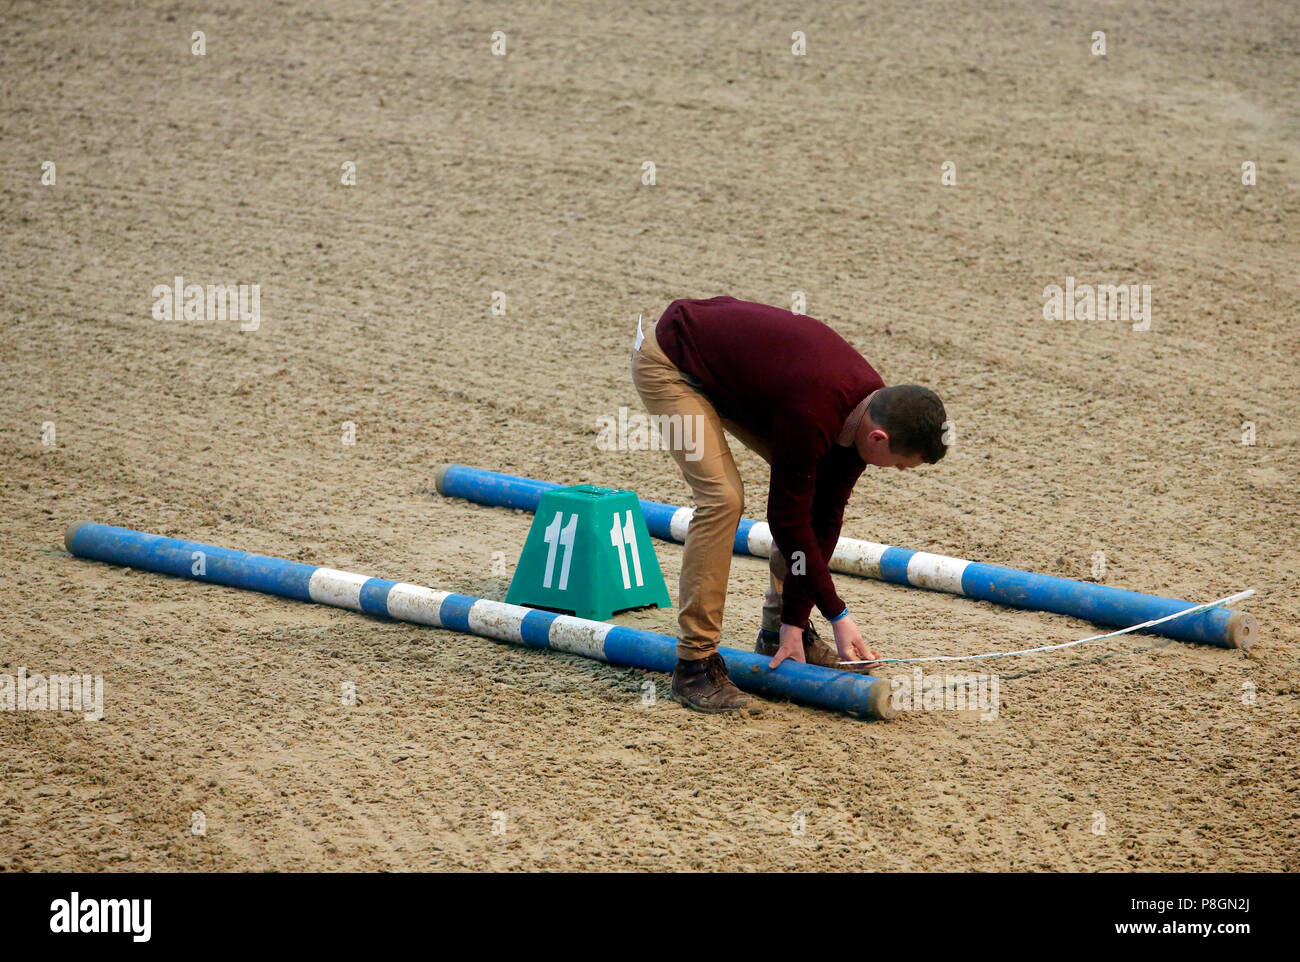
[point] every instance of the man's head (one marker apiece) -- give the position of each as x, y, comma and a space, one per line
904, 426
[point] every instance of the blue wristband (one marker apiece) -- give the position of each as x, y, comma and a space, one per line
842, 615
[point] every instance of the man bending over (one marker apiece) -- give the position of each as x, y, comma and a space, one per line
798, 395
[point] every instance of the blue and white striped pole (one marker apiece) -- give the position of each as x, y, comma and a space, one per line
1099, 604
615, 644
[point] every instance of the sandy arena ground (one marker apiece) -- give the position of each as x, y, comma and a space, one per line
775, 173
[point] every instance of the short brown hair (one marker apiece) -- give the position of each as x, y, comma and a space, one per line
914, 418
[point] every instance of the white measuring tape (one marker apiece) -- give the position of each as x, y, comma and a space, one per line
1069, 644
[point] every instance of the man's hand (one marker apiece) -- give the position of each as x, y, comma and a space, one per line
791, 646
849, 642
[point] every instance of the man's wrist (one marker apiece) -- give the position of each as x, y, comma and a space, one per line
841, 616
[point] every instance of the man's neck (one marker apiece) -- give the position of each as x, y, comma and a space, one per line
853, 421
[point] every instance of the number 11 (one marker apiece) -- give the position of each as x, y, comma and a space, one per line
554, 538
625, 534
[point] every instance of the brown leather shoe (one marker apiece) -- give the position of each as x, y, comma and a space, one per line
815, 651
703, 684
818, 652
768, 642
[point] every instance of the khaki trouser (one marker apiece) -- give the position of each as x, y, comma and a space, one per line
719, 497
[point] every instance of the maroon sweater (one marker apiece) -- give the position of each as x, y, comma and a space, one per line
792, 381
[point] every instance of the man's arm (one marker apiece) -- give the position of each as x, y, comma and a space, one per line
791, 500
831, 489
836, 477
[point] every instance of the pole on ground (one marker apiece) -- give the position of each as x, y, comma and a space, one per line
1100, 604
615, 644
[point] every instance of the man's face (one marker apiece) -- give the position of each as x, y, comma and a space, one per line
873, 446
